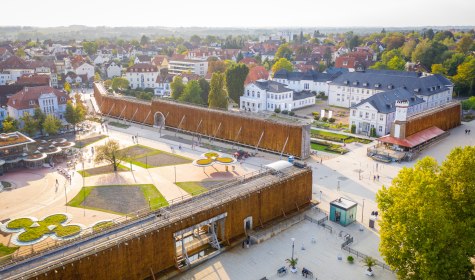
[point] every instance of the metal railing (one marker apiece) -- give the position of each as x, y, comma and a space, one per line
361, 255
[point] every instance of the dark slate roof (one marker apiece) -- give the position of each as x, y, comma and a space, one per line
335, 70
385, 102
302, 95
388, 79
271, 86
309, 76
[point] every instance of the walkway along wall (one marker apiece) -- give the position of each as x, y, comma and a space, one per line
136, 258
277, 136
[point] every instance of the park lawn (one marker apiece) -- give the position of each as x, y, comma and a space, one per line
157, 200
337, 136
98, 170
88, 141
79, 198
193, 188
137, 158
318, 147
5, 250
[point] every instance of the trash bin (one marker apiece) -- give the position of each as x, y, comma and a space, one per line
291, 159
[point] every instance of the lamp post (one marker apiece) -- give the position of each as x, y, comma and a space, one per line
175, 172
66, 197
293, 244
320, 196
362, 211
359, 172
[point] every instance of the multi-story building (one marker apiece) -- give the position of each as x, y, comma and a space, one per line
5, 78
49, 100
178, 66
84, 69
270, 95
113, 70
16, 67
142, 75
310, 80
351, 88
379, 110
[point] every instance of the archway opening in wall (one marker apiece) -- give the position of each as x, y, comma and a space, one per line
159, 120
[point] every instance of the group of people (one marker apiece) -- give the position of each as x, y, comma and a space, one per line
467, 131
135, 139
376, 178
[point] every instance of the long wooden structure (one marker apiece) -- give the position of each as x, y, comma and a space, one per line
290, 136
264, 197
444, 117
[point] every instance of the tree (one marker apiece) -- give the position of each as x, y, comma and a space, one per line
20, 52
369, 262
67, 87
428, 53
90, 47
216, 66
192, 93
74, 113
282, 63
239, 57
236, 74
218, 98
107, 83
438, 69
284, 51
40, 117
427, 224
396, 63
195, 40
453, 62
30, 124
51, 125
110, 152
204, 85
119, 83
144, 40
465, 78
97, 77
9, 124
177, 87
465, 44
408, 48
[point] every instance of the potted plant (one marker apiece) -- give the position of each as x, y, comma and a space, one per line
292, 263
369, 262
350, 259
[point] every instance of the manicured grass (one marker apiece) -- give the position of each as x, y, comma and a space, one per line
318, 147
5, 251
102, 225
147, 157
193, 188
102, 170
66, 231
88, 141
34, 233
156, 198
79, 198
328, 147
121, 125
211, 154
20, 223
336, 137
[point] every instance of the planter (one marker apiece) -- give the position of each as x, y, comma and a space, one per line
369, 273
293, 269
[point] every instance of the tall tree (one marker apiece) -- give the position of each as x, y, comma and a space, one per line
20, 52
235, 76
465, 78
282, 64
67, 87
239, 57
30, 124
192, 93
9, 124
427, 224
40, 117
74, 113
144, 40
218, 98
465, 44
51, 125
110, 152
438, 69
177, 87
216, 66
204, 85
119, 83
284, 51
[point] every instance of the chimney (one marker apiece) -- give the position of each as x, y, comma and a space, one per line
401, 110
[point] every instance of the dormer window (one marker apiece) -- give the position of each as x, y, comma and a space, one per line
355, 83
32, 102
377, 85
63, 99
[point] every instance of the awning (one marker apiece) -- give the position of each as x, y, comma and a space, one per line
415, 139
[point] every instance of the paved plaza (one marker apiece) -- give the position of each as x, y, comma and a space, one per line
35, 193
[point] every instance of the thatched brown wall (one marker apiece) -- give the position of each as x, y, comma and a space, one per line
240, 128
445, 118
156, 251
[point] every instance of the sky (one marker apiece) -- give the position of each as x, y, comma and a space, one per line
239, 13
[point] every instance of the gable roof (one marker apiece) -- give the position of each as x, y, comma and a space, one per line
14, 62
256, 73
385, 102
142, 67
271, 86
21, 100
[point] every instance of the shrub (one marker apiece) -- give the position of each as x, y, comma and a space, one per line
353, 128
285, 112
324, 119
372, 132
291, 113
331, 120
317, 117
350, 259
277, 110
315, 114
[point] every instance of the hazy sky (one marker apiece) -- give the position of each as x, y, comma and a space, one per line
238, 13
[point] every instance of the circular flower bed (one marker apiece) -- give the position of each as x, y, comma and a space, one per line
211, 158
204, 161
225, 160
211, 154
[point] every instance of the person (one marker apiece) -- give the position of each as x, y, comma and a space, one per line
378, 177
179, 147
374, 178
133, 139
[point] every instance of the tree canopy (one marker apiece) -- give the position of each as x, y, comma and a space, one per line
218, 98
236, 74
427, 225
192, 93
284, 51
177, 87
111, 153
282, 63
119, 83
51, 125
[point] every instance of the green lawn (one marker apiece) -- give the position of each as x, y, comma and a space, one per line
5, 251
328, 147
318, 147
88, 141
102, 170
336, 137
144, 157
102, 225
156, 198
193, 188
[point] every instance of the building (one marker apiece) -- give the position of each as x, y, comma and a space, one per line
34, 80
379, 110
142, 75
84, 69
48, 99
16, 67
178, 66
343, 211
113, 70
349, 89
5, 78
162, 85
270, 95
310, 80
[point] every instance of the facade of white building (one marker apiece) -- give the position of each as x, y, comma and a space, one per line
5, 78
300, 81
113, 70
351, 88
178, 66
379, 110
142, 75
85, 69
49, 100
270, 95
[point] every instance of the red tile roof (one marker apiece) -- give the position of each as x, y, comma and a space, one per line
415, 139
256, 73
142, 67
14, 62
21, 100
33, 80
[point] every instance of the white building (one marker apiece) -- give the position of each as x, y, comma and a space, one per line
113, 70
351, 88
288, 36
16, 67
162, 85
380, 110
84, 69
48, 99
5, 78
142, 75
311, 80
270, 95
178, 66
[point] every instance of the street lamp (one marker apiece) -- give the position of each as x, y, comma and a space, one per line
293, 244
362, 211
359, 172
320, 196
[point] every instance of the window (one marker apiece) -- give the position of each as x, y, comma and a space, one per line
258, 95
354, 112
32, 102
381, 117
366, 115
380, 129
372, 116
361, 114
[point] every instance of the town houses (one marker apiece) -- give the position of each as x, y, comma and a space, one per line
142, 75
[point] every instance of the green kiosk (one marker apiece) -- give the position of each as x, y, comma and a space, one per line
343, 211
